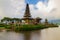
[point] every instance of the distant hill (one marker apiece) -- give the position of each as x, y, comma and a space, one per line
55, 21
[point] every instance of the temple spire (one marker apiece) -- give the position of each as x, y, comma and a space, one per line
27, 12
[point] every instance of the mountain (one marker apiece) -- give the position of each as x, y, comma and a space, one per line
55, 21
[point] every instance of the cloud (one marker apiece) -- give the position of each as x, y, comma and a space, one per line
16, 8
1, 9
55, 13
12, 8
19, 7
37, 13
51, 11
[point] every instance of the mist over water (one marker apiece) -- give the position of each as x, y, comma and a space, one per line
45, 34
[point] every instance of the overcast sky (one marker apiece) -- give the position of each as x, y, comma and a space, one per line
38, 8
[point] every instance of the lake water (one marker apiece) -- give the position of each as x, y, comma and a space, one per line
45, 34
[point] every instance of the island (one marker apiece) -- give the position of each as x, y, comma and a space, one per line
27, 23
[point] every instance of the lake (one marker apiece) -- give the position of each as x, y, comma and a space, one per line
45, 34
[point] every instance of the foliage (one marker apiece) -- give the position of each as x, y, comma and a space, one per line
8, 27
10, 19
2, 25
29, 27
24, 27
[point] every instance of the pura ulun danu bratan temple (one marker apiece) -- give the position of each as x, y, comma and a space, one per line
27, 19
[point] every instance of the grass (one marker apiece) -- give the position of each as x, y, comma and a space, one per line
24, 27
29, 27
2, 27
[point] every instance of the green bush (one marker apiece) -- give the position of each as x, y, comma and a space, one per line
29, 27
2, 25
8, 27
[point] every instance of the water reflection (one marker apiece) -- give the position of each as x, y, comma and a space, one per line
46, 34
11, 36
31, 35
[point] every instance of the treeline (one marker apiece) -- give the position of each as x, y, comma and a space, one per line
10, 19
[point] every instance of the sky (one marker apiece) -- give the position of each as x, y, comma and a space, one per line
49, 9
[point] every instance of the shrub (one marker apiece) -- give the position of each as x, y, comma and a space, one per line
29, 27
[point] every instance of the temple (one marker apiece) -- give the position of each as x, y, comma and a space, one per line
27, 19
27, 16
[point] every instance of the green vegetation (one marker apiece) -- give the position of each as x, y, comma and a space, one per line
2, 25
29, 27
25, 27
